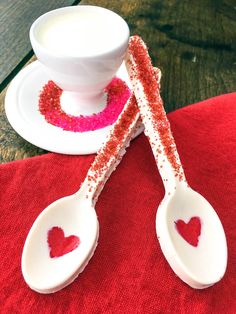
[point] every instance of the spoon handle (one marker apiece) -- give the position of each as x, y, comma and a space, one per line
112, 151
157, 126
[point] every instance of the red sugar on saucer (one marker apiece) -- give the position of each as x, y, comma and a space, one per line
49, 106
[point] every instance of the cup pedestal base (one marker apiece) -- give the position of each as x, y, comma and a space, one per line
72, 103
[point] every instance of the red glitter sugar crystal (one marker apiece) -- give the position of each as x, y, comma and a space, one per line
116, 137
49, 106
141, 69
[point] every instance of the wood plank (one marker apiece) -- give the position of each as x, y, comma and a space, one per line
192, 42
12, 145
16, 18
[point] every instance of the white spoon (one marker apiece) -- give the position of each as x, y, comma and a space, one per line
64, 236
190, 233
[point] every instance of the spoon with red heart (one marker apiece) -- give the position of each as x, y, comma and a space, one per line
190, 233
64, 236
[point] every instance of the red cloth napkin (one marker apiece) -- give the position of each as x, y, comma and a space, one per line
128, 273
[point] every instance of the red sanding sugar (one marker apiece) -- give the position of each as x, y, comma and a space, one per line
49, 106
111, 153
142, 70
117, 137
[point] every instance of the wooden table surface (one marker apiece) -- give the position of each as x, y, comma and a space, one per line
192, 42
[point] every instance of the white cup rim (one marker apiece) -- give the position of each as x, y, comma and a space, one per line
104, 53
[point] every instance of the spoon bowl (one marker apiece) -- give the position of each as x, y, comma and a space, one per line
73, 216
64, 236
191, 236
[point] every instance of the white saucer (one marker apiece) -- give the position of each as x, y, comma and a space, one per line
21, 106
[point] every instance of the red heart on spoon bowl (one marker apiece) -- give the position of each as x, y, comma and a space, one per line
59, 244
189, 231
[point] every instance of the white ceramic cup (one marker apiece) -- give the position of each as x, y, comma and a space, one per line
81, 48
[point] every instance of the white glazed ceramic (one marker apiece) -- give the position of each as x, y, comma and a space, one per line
202, 264
84, 74
76, 216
